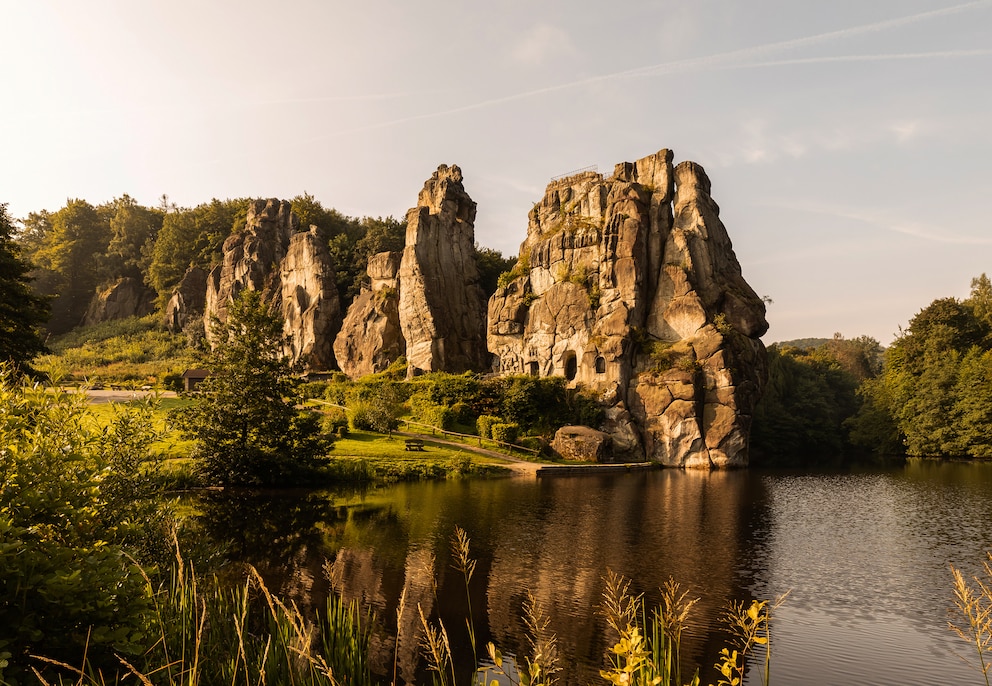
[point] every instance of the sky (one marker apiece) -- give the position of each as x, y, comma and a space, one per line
849, 143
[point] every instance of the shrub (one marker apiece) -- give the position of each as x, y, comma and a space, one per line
334, 419
505, 432
485, 423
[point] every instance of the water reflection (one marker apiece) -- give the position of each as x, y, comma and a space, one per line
864, 553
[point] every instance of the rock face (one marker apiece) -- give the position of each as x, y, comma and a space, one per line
582, 443
187, 301
294, 272
127, 297
629, 285
441, 304
371, 337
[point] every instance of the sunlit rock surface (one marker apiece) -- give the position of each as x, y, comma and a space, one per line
629, 285
294, 272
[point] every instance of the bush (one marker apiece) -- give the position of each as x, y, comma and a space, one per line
505, 432
334, 419
67, 506
311, 390
485, 423
366, 416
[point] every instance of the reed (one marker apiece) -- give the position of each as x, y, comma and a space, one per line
973, 605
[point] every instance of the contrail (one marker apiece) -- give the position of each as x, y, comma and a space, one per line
667, 67
943, 54
715, 61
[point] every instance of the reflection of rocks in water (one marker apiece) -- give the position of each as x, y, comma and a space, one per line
417, 594
354, 577
592, 525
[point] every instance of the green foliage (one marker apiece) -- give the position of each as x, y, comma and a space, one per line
484, 425
22, 312
801, 416
69, 499
521, 268
505, 432
245, 423
192, 238
351, 243
70, 254
133, 350
492, 265
934, 393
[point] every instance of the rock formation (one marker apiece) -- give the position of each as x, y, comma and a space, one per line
293, 271
441, 305
187, 302
629, 285
371, 337
126, 297
582, 443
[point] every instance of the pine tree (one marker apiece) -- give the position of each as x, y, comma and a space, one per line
245, 423
22, 312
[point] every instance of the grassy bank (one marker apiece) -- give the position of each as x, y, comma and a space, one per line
362, 456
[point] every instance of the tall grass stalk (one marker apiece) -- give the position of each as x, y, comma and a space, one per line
750, 624
974, 605
466, 565
647, 650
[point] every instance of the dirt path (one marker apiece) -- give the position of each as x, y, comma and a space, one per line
520, 467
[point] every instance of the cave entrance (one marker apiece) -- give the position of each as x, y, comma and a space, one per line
600, 365
533, 368
570, 364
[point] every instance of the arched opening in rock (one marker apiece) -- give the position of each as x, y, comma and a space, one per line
533, 368
570, 365
600, 365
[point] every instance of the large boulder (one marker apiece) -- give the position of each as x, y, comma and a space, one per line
441, 304
582, 443
628, 285
126, 297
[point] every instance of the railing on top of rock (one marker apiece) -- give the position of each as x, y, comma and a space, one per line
576, 172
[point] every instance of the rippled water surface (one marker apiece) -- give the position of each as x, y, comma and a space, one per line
864, 557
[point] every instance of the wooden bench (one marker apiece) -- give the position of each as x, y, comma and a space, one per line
414, 444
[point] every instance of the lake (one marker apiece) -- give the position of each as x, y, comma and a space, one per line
864, 556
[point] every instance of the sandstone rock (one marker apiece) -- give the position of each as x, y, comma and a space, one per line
371, 337
309, 300
582, 443
127, 297
294, 272
628, 285
187, 302
441, 304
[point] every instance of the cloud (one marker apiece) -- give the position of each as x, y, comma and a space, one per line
541, 43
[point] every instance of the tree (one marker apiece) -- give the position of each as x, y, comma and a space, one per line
22, 312
74, 250
491, 264
192, 238
245, 422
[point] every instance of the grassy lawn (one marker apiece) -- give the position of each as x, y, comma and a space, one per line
362, 455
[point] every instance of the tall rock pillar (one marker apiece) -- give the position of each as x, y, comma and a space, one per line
442, 306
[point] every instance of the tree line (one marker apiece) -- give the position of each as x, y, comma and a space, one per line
928, 394
81, 247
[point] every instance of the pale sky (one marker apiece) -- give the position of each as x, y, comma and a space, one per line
849, 142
